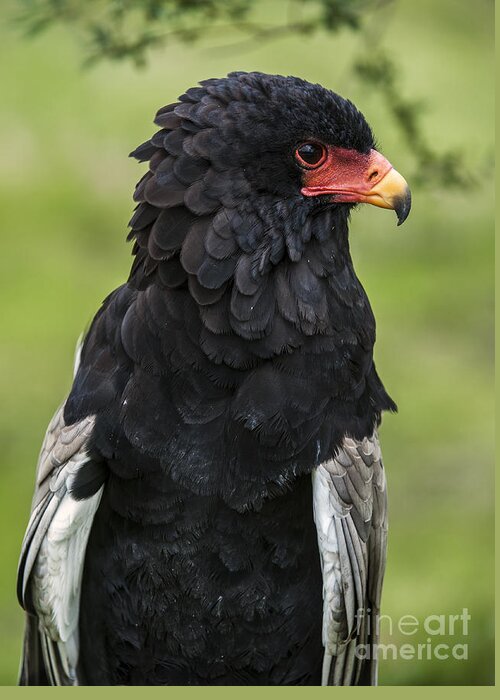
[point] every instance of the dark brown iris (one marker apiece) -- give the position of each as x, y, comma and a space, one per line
310, 154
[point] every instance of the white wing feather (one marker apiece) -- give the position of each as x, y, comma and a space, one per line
350, 512
53, 554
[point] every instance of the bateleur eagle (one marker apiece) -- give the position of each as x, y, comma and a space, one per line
210, 501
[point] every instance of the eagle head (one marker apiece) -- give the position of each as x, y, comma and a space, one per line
250, 183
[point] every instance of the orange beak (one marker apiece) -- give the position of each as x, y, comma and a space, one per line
350, 176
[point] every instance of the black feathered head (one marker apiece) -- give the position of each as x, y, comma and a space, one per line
246, 174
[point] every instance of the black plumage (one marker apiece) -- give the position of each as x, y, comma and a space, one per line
234, 361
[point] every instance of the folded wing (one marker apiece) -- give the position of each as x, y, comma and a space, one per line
69, 486
350, 512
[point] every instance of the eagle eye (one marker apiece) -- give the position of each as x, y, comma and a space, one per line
310, 154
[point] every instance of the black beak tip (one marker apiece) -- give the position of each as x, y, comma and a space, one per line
402, 206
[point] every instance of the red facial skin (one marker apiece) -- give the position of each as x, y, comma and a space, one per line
347, 174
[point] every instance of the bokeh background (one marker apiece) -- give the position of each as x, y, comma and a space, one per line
65, 199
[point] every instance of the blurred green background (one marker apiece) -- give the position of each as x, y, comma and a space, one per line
65, 199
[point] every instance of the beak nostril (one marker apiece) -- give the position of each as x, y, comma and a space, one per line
373, 175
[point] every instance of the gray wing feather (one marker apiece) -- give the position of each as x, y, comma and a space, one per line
52, 556
350, 511
60, 457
